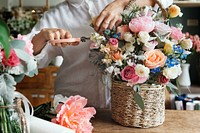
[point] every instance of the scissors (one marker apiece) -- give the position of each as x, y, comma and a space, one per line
70, 40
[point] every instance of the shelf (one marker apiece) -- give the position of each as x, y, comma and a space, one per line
187, 3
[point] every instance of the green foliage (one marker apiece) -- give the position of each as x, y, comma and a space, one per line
4, 37
137, 97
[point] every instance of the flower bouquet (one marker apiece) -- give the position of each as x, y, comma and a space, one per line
16, 60
142, 55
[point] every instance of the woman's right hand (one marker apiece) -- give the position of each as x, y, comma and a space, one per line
54, 34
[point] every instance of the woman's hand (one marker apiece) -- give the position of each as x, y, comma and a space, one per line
48, 34
54, 34
110, 16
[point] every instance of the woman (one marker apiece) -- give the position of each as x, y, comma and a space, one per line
77, 75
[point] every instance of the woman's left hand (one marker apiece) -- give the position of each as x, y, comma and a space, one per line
110, 16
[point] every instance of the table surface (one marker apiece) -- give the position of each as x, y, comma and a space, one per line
175, 122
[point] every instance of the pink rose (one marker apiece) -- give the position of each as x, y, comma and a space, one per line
75, 116
12, 61
144, 23
28, 47
122, 30
113, 43
154, 58
149, 45
163, 80
128, 73
176, 34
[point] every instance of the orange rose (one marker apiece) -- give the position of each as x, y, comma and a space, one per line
116, 55
154, 58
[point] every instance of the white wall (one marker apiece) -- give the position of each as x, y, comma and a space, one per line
10, 3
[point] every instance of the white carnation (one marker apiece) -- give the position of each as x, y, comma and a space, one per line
172, 72
142, 71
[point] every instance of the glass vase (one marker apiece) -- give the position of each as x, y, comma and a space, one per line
12, 118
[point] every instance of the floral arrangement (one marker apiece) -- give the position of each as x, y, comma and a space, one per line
74, 115
195, 40
144, 48
16, 61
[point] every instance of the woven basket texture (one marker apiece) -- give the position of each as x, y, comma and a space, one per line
126, 112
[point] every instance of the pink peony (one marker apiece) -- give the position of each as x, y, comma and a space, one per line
122, 30
113, 43
28, 47
162, 28
144, 23
12, 61
176, 33
73, 115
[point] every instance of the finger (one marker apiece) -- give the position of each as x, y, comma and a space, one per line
64, 44
57, 36
51, 36
68, 34
119, 21
105, 23
99, 20
112, 23
62, 33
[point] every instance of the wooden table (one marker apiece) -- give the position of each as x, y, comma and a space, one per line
175, 122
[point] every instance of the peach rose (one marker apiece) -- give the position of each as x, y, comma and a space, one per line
122, 30
144, 23
154, 58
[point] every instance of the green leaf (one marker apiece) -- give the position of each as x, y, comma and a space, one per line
138, 100
4, 37
18, 44
173, 88
19, 78
23, 55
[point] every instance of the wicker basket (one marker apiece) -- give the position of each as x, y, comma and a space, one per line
127, 113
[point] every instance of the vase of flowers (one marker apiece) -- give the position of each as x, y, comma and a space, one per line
142, 55
16, 61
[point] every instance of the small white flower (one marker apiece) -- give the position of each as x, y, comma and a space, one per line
129, 62
144, 36
186, 43
142, 71
107, 61
129, 37
118, 63
129, 47
110, 69
172, 72
116, 71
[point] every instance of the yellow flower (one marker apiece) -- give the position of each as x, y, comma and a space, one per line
168, 48
174, 11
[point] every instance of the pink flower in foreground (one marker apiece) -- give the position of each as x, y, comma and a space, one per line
144, 23
73, 115
28, 47
176, 33
13, 59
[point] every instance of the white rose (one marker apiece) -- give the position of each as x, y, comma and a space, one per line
142, 71
172, 72
129, 47
144, 36
186, 44
129, 37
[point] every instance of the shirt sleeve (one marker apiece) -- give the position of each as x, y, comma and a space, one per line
166, 3
48, 52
